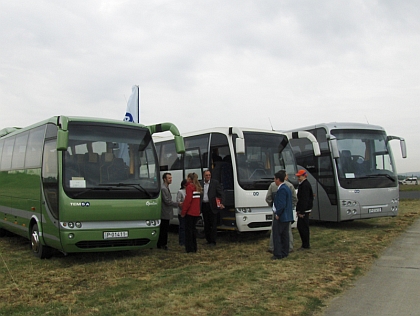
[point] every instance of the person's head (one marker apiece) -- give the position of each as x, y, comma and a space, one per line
287, 176
167, 178
301, 175
184, 184
207, 175
279, 177
193, 178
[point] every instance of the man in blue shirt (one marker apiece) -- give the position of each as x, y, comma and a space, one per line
283, 215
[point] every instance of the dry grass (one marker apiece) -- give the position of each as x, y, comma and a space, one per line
235, 278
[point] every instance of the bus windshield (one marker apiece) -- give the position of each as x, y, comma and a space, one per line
265, 154
365, 159
106, 161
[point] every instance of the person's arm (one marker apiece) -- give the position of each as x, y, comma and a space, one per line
220, 194
280, 202
269, 196
167, 198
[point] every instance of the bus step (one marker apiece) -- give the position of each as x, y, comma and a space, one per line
232, 219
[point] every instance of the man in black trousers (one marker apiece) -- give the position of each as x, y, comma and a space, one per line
304, 207
212, 203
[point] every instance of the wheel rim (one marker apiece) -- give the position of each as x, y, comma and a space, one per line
35, 241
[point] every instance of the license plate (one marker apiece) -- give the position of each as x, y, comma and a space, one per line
269, 217
375, 210
108, 235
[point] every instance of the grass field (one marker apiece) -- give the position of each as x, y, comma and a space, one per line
235, 278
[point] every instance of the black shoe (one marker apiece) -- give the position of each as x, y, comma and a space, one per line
276, 258
269, 250
304, 248
163, 247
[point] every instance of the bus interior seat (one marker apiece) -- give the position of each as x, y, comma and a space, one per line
71, 167
106, 161
346, 161
91, 168
118, 170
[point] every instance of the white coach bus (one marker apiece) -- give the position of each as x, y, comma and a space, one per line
243, 160
355, 176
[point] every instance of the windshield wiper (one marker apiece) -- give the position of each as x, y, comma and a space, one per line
136, 186
100, 187
378, 175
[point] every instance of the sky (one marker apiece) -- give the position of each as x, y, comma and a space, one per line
202, 64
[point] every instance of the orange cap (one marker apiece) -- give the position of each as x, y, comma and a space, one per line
301, 173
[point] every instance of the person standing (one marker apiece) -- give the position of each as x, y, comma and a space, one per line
283, 216
304, 205
180, 197
167, 212
191, 211
210, 206
269, 198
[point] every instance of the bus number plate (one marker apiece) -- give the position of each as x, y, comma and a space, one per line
108, 235
268, 217
375, 210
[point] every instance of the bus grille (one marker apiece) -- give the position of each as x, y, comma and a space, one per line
259, 224
112, 243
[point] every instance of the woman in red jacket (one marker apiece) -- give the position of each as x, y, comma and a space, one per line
191, 211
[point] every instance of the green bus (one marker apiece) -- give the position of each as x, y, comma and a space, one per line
79, 184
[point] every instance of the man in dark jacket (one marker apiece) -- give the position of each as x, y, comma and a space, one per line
283, 216
209, 206
304, 207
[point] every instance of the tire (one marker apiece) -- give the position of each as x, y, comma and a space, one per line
3, 232
38, 249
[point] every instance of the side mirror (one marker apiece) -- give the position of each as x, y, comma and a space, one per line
240, 146
403, 148
179, 144
334, 147
62, 140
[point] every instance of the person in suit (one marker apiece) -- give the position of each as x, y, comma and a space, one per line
209, 206
167, 212
271, 193
283, 216
303, 208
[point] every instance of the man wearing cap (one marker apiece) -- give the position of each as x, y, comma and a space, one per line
304, 207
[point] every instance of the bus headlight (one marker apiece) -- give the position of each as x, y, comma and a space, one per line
71, 225
71, 236
348, 212
78, 225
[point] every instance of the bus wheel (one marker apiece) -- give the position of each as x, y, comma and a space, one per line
3, 232
38, 249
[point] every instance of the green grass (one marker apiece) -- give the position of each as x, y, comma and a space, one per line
409, 187
235, 278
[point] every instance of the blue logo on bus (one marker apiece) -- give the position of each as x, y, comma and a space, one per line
128, 117
356, 191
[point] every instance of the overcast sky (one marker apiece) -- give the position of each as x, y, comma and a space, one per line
202, 64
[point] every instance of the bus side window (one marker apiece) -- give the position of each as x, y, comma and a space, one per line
19, 151
6, 157
34, 149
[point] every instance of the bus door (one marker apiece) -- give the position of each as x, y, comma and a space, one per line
49, 203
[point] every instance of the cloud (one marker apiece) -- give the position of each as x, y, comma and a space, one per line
214, 63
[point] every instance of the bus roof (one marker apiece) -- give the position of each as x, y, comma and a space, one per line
55, 119
341, 125
222, 130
